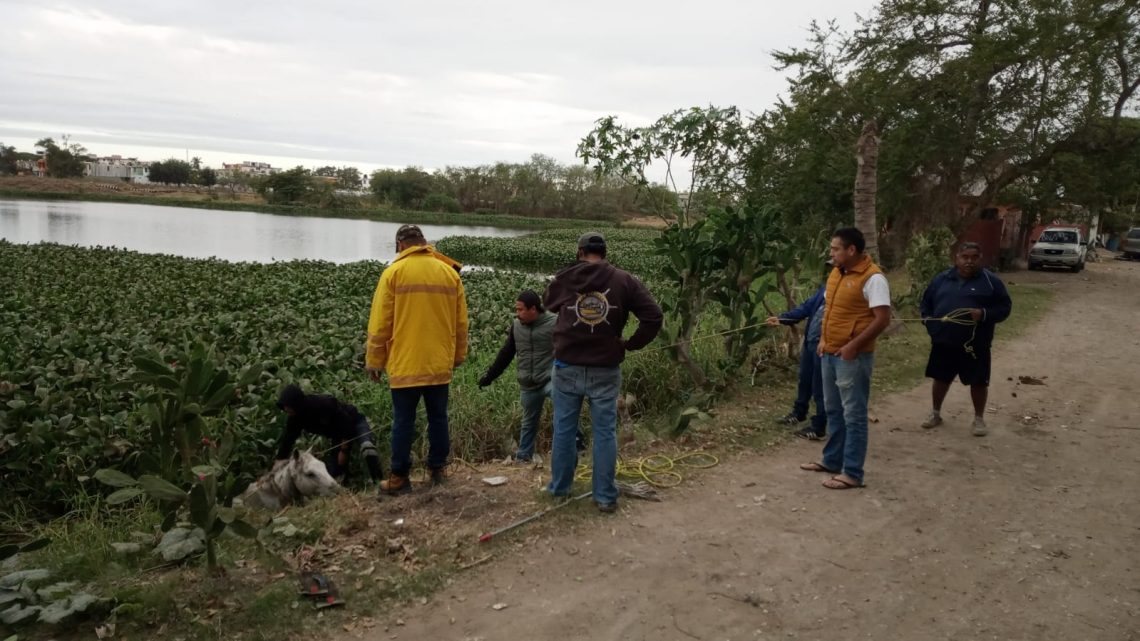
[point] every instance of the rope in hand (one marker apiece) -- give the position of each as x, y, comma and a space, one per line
658, 470
961, 316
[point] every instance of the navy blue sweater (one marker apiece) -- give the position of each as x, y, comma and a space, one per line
948, 292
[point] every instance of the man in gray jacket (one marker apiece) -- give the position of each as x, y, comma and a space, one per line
530, 342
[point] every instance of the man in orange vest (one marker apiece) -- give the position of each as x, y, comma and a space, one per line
858, 301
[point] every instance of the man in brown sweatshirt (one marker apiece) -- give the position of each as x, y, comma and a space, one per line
593, 300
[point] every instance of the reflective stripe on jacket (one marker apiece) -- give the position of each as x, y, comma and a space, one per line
417, 329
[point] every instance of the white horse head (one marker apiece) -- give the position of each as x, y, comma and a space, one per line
290, 480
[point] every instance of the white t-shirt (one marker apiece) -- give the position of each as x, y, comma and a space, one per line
876, 290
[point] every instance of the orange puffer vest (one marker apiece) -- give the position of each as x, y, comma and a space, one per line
848, 312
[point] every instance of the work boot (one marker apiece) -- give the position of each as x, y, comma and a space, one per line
790, 419
607, 508
980, 426
934, 420
438, 476
396, 485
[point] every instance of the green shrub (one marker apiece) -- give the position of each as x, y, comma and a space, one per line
441, 203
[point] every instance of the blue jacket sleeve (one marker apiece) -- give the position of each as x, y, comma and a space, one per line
926, 305
803, 311
1001, 305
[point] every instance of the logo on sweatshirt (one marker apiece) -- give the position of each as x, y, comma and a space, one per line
591, 308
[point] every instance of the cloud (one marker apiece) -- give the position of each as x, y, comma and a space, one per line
429, 83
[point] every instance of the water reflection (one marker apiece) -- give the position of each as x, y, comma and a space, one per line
204, 233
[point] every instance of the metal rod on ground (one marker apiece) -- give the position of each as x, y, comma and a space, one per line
537, 515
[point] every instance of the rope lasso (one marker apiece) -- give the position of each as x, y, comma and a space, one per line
962, 316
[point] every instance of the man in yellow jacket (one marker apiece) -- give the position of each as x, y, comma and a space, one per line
417, 334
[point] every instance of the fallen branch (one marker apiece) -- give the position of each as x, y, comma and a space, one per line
481, 561
748, 600
683, 630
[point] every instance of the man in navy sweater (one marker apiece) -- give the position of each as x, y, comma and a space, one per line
811, 374
963, 350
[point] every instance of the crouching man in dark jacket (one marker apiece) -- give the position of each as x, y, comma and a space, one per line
593, 300
324, 415
962, 349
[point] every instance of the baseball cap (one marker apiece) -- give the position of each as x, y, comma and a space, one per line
408, 231
591, 238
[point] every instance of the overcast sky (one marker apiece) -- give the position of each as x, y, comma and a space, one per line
379, 83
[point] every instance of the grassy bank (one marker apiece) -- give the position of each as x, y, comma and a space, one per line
355, 212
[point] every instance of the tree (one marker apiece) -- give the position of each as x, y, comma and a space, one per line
404, 188
349, 178
971, 95
1103, 186
288, 187
196, 163
207, 177
233, 180
8, 159
171, 171
62, 162
866, 186
327, 171
713, 140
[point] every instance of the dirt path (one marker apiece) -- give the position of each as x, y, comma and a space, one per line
1030, 533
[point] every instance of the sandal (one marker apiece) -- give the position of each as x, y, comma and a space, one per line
816, 467
837, 483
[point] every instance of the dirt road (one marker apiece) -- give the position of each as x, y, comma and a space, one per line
1030, 533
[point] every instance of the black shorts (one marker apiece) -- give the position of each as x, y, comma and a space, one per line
948, 362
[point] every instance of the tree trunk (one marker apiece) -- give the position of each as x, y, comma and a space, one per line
866, 185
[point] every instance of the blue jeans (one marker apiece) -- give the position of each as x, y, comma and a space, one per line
811, 387
404, 403
532, 401
846, 390
601, 385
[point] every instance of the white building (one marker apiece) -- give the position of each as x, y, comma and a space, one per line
118, 168
250, 168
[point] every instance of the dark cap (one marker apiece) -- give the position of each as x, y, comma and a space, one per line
406, 232
591, 238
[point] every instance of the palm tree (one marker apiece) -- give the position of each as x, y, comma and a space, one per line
866, 184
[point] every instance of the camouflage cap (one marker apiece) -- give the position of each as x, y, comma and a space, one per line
408, 231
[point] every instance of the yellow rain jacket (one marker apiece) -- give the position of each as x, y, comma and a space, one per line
417, 331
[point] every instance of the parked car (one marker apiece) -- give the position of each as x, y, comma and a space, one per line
1059, 247
1131, 245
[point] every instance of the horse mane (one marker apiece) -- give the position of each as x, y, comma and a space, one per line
278, 482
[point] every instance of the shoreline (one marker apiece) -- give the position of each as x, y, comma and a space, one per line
505, 221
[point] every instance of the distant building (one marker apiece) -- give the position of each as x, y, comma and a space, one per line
250, 168
30, 167
118, 168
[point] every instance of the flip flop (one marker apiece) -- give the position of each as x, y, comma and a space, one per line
314, 585
816, 467
331, 600
842, 485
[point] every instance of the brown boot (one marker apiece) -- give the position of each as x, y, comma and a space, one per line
396, 484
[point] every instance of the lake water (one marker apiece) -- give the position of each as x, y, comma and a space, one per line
206, 233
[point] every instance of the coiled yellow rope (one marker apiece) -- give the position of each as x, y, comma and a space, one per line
658, 470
